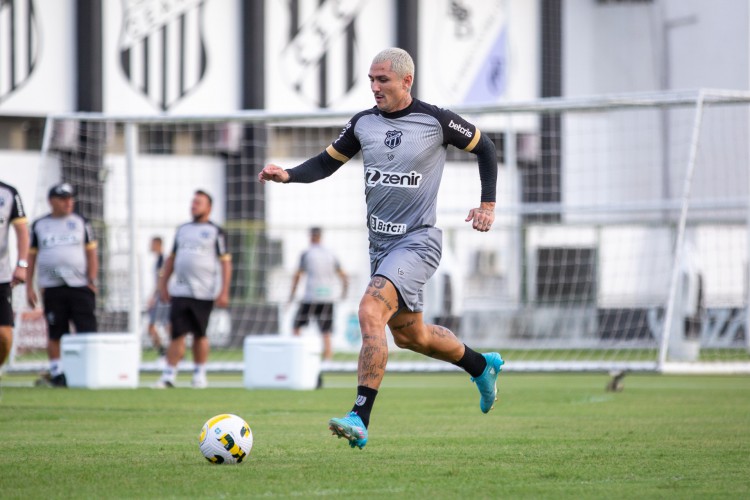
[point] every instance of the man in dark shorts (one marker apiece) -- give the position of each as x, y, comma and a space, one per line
63, 251
202, 269
321, 268
11, 214
403, 143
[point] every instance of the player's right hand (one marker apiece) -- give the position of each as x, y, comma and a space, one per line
273, 173
482, 216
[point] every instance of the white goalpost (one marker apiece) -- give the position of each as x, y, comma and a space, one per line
621, 241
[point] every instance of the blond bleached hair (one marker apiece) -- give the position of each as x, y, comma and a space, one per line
401, 62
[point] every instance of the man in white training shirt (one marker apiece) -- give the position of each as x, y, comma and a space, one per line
63, 257
11, 214
321, 268
201, 269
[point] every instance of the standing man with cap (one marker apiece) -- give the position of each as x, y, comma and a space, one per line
63, 249
11, 212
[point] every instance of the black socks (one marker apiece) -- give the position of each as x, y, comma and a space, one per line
363, 404
473, 362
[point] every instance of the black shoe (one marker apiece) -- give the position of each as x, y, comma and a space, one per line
163, 384
320, 381
58, 381
615, 383
43, 380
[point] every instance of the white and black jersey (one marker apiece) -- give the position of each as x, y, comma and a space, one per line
11, 212
404, 155
60, 245
198, 249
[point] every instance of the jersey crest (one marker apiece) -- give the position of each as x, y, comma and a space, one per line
393, 138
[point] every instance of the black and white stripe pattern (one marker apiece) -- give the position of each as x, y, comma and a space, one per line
320, 58
164, 59
19, 44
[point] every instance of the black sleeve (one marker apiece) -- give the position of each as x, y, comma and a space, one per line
175, 245
16, 211
487, 159
314, 169
221, 242
88, 230
34, 243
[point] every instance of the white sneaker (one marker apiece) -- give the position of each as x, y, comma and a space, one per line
163, 384
200, 382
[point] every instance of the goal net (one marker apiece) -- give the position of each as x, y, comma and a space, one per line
621, 238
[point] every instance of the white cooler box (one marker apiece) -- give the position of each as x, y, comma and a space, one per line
101, 360
273, 362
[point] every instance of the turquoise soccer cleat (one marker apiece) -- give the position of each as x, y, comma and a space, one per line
350, 427
487, 381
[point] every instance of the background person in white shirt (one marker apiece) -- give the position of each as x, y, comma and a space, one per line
321, 268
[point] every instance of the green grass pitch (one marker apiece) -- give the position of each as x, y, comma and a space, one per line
550, 436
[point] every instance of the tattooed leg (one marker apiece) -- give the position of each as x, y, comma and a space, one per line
410, 332
378, 304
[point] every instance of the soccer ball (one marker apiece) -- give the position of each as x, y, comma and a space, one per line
226, 439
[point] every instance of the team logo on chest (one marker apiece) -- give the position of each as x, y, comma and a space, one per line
393, 138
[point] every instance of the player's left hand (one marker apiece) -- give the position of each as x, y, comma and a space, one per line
482, 217
19, 277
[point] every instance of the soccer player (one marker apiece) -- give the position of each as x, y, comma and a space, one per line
321, 267
63, 249
198, 256
403, 143
11, 213
158, 311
